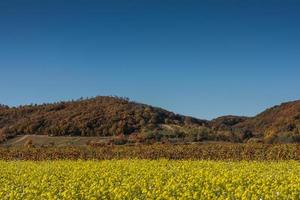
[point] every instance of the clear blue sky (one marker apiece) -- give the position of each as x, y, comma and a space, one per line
200, 58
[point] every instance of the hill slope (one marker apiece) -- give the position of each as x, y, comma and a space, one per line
100, 116
113, 116
279, 123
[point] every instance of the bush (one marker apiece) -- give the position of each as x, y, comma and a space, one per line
134, 138
119, 139
28, 143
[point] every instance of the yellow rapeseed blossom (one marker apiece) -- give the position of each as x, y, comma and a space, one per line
145, 179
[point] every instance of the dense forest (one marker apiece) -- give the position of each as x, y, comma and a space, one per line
120, 117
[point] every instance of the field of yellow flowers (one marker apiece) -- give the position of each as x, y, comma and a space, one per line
146, 179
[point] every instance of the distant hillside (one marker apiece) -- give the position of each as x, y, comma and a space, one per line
100, 116
277, 124
119, 117
226, 122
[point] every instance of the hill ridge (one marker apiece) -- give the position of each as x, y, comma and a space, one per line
112, 116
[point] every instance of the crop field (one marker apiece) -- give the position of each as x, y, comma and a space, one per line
149, 179
225, 152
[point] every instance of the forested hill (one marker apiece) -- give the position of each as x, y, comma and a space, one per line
99, 116
113, 116
280, 123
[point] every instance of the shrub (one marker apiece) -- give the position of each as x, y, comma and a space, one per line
120, 139
28, 143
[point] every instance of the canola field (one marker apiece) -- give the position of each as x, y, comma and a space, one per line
145, 179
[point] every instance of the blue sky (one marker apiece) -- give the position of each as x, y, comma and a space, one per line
199, 58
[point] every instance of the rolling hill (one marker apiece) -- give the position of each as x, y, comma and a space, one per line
114, 116
277, 124
99, 116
